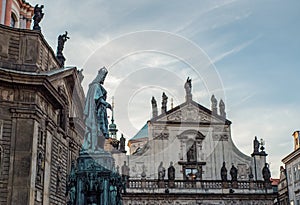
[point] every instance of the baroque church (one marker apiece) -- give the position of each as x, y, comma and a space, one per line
183, 155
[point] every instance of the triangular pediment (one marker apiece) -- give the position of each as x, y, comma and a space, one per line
190, 112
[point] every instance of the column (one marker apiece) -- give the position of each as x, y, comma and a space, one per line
8, 12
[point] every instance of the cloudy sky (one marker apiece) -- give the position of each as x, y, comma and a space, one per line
245, 52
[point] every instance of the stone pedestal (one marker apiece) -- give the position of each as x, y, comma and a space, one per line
96, 180
225, 185
161, 184
171, 184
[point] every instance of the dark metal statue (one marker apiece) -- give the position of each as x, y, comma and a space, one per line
60, 46
266, 173
233, 173
95, 114
224, 172
37, 17
255, 146
171, 172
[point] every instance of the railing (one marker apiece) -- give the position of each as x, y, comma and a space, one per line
196, 184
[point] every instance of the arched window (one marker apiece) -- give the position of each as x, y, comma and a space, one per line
13, 20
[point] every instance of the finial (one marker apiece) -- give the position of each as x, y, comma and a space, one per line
171, 103
112, 102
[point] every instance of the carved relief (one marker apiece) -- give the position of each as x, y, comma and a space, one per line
4, 45
40, 168
189, 114
161, 135
243, 171
31, 50
220, 133
7, 95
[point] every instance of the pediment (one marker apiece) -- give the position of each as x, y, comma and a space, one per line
190, 113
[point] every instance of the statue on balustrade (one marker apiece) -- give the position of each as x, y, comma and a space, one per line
233, 173
224, 172
171, 172
266, 173
161, 172
95, 114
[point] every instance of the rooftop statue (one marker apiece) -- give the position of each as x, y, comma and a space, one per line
38, 15
61, 42
60, 46
188, 89
95, 114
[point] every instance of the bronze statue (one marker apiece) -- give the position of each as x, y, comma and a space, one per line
95, 114
61, 42
38, 15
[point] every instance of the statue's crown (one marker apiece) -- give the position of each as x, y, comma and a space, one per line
102, 71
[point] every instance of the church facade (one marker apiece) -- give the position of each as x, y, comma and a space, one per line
189, 158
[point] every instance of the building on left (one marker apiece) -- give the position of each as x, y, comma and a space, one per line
16, 13
41, 106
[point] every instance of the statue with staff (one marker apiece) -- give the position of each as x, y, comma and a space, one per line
95, 114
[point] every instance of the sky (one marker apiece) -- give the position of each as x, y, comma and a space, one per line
245, 52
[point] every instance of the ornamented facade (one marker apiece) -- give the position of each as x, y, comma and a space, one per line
41, 106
